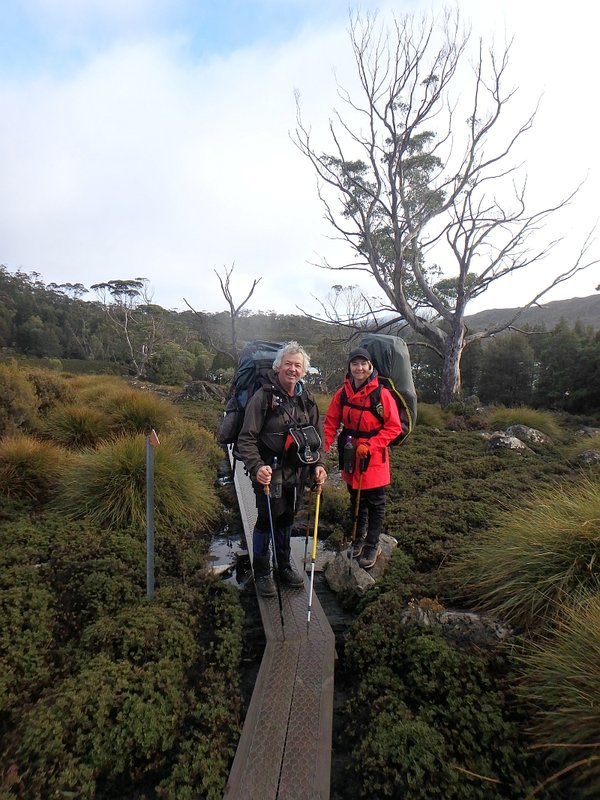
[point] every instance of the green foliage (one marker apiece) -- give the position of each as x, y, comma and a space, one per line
170, 365
447, 487
108, 485
27, 645
431, 416
77, 426
562, 680
544, 421
18, 400
425, 720
30, 470
539, 557
50, 389
335, 506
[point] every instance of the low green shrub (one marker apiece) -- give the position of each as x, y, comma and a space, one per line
18, 400
538, 558
425, 719
107, 727
27, 645
51, 389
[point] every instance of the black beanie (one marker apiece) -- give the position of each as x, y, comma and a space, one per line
360, 352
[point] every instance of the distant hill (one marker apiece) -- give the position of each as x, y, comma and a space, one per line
584, 309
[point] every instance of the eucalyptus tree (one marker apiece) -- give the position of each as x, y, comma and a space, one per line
423, 184
140, 323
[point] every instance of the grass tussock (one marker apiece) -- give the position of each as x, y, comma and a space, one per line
30, 469
108, 485
582, 444
199, 443
98, 389
539, 558
77, 426
431, 416
563, 681
132, 411
544, 421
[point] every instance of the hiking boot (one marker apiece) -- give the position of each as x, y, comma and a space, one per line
289, 577
358, 546
369, 555
265, 586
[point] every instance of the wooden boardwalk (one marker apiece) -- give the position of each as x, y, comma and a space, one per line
284, 750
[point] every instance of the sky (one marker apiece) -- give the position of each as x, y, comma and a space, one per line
151, 138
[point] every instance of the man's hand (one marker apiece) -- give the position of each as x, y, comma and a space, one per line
263, 475
320, 475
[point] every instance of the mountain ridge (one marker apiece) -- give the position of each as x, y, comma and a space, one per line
583, 309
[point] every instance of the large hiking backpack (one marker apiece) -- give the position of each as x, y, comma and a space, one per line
255, 361
392, 362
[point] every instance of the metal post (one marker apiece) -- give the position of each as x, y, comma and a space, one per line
151, 442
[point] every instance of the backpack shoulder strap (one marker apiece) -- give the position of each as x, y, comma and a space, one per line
374, 402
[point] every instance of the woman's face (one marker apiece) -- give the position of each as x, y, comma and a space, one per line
361, 370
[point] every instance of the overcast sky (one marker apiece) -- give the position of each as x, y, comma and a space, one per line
151, 138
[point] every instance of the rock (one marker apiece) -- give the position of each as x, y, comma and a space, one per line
461, 627
502, 441
588, 458
531, 435
343, 573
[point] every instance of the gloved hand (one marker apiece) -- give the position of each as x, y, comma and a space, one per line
362, 451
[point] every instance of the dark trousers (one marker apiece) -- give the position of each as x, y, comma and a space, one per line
371, 512
282, 516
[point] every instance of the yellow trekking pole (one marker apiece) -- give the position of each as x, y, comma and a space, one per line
313, 557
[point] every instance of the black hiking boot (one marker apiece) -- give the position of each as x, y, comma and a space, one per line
265, 586
289, 577
369, 555
358, 546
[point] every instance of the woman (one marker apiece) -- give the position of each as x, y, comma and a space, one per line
265, 445
366, 465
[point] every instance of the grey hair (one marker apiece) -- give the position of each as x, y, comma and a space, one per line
291, 348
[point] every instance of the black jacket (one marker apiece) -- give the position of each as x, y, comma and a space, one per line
269, 416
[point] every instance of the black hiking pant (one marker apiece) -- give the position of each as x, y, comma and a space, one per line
371, 512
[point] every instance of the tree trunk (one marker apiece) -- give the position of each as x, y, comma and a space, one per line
451, 380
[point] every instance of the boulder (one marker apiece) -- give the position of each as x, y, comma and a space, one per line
343, 573
527, 434
499, 440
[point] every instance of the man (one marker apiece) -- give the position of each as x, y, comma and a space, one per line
267, 448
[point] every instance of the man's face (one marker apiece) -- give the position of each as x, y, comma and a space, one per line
291, 371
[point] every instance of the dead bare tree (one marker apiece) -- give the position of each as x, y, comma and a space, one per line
234, 310
430, 198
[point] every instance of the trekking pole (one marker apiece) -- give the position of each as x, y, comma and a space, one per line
313, 557
307, 532
361, 468
275, 565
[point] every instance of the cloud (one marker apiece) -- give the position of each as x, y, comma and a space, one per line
154, 157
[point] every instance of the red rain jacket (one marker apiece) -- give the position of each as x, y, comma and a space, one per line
378, 471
